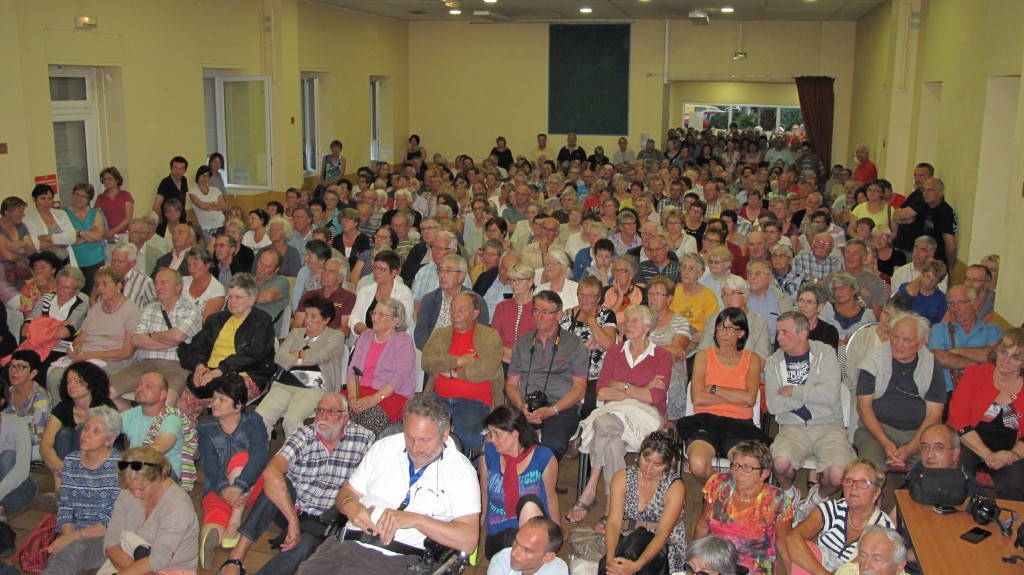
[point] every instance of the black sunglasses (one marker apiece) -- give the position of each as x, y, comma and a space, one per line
688, 569
136, 465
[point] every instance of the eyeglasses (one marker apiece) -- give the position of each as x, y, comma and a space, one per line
380, 315
727, 328
517, 280
620, 271
544, 312
136, 465
858, 483
689, 570
939, 449
689, 268
332, 412
730, 293
238, 297
958, 302
744, 467
381, 269
448, 271
440, 248
328, 271
823, 243
759, 274
78, 195
655, 293
1004, 352
18, 367
715, 262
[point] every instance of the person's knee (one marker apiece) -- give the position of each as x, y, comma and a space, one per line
783, 466
833, 475
606, 425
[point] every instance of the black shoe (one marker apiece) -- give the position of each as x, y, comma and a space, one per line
278, 541
7, 538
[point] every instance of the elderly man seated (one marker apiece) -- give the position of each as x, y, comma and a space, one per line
819, 261
900, 392
881, 551
435, 309
387, 520
964, 340
803, 391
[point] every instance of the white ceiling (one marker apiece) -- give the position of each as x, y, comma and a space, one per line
612, 10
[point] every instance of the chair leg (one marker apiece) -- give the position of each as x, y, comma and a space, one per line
583, 473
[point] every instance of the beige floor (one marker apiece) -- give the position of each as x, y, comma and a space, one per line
23, 522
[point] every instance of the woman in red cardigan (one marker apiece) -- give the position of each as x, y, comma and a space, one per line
634, 388
987, 409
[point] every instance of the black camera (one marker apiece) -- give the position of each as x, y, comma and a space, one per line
438, 559
982, 509
536, 400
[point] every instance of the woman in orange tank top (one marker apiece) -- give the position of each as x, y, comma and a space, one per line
723, 391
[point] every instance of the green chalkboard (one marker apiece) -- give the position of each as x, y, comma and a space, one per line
588, 79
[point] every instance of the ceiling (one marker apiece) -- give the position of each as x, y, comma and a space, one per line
611, 10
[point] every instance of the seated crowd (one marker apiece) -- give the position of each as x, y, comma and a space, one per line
515, 313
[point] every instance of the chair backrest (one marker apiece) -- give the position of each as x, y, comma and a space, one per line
15, 319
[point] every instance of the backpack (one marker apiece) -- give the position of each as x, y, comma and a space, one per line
189, 444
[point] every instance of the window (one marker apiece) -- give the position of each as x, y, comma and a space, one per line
375, 119
747, 116
75, 126
310, 121
238, 126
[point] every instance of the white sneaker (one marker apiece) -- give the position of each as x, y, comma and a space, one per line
803, 508
793, 494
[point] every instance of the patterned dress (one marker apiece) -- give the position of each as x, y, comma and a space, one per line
677, 539
751, 530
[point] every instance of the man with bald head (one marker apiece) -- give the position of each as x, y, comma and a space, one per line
900, 393
533, 552
658, 261
535, 253
152, 422
940, 222
819, 262
963, 340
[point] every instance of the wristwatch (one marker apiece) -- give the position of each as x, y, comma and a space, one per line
713, 389
625, 388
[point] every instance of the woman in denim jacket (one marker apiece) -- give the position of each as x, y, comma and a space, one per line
234, 449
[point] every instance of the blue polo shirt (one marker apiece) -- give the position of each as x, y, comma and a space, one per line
983, 334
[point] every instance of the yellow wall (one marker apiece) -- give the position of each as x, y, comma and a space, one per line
960, 46
447, 98
155, 53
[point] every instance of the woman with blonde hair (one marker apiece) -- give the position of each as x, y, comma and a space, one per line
154, 526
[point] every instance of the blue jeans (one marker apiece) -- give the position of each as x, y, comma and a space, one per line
555, 431
68, 439
467, 421
22, 495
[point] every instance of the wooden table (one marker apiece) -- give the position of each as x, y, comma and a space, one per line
939, 548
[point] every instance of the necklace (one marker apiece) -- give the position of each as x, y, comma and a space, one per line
385, 339
745, 499
120, 302
862, 525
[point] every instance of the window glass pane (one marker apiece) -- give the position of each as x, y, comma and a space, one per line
245, 132
791, 116
72, 156
67, 89
210, 108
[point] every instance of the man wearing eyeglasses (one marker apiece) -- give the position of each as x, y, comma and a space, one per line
802, 389
428, 277
332, 276
963, 340
765, 299
548, 369
300, 483
819, 261
900, 393
435, 309
535, 253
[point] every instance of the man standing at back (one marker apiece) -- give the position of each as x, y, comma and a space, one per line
570, 151
173, 186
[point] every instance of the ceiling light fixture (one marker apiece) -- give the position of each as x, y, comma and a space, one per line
586, 10
451, 4
455, 11
727, 10
491, 1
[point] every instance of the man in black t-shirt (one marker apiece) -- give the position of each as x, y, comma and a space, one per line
940, 222
173, 186
571, 151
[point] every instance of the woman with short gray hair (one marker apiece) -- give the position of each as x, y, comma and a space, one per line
89, 482
623, 292
848, 314
382, 374
711, 555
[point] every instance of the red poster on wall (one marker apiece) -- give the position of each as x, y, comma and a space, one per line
50, 180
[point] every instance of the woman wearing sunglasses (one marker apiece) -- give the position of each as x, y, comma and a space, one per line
234, 449
90, 483
828, 537
153, 527
739, 506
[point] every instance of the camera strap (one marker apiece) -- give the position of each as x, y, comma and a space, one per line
551, 362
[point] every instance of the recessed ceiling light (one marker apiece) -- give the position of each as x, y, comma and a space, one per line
455, 11
491, 1
586, 10
727, 10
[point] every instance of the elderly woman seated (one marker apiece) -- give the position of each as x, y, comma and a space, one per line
924, 293
848, 311
56, 318
634, 388
153, 528
239, 340
89, 481
106, 334
711, 555
309, 362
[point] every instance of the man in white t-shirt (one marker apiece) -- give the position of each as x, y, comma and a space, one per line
408, 487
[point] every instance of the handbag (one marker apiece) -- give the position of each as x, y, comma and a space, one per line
937, 486
33, 555
632, 546
586, 548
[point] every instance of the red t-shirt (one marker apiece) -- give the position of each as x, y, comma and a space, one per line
462, 344
344, 301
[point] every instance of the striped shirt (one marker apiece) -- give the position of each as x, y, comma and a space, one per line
138, 287
88, 495
317, 473
832, 538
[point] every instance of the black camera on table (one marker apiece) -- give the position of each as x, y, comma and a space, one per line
536, 400
983, 509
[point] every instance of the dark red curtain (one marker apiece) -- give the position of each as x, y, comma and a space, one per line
817, 103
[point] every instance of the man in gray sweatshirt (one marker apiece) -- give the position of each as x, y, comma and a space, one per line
803, 391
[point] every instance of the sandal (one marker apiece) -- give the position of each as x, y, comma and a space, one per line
235, 562
581, 506
602, 524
